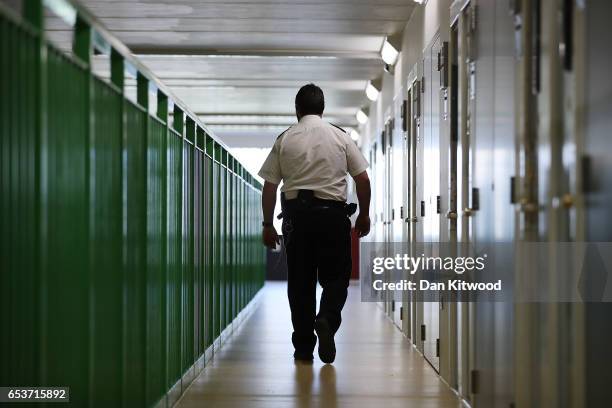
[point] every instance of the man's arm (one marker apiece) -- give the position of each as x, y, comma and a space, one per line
268, 202
362, 185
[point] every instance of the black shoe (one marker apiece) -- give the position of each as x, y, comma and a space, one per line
327, 347
303, 357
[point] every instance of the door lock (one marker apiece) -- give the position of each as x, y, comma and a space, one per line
567, 200
528, 207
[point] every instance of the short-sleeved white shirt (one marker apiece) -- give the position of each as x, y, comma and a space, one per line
313, 155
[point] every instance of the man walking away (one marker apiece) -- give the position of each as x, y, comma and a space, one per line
312, 158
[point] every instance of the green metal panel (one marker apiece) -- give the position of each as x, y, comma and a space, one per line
135, 251
66, 215
238, 245
19, 199
223, 246
241, 200
156, 261
216, 222
206, 254
241, 242
210, 279
235, 246
229, 246
106, 249
188, 250
198, 247
174, 260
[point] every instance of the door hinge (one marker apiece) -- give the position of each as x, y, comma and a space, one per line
402, 212
515, 6
473, 10
416, 101
437, 347
383, 142
586, 168
443, 65
393, 213
475, 199
401, 313
438, 204
422, 84
566, 46
422, 208
474, 378
472, 80
393, 305
536, 55
422, 332
405, 115
513, 190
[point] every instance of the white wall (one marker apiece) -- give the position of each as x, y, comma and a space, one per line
420, 29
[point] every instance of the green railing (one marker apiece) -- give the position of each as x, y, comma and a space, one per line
127, 246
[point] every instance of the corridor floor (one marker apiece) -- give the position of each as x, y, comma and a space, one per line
375, 365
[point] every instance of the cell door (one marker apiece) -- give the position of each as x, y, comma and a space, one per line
460, 37
431, 194
387, 141
378, 198
447, 202
411, 112
397, 188
417, 203
405, 214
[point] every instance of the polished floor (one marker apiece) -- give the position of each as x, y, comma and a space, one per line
375, 365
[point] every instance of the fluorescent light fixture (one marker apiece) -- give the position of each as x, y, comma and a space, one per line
361, 117
419, 1
388, 52
355, 135
372, 92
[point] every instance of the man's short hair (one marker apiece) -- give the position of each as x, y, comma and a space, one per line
310, 100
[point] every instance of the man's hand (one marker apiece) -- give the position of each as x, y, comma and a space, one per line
362, 224
362, 186
269, 237
268, 202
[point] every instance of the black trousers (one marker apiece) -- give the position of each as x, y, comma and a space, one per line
318, 245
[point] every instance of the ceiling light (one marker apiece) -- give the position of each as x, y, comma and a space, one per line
372, 92
355, 135
388, 52
361, 117
419, 1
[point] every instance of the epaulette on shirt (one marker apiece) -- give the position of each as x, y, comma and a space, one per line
284, 131
338, 127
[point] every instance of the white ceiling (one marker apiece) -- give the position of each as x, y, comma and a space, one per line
231, 58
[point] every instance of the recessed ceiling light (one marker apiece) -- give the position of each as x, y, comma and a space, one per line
389, 53
361, 117
355, 135
372, 92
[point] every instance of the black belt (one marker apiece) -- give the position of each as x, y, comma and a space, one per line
307, 202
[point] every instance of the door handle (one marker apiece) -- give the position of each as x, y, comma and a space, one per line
567, 200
